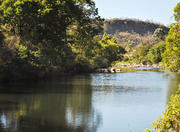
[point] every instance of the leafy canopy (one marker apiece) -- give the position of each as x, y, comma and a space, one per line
171, 56
177, 12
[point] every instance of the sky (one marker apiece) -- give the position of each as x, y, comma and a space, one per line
159, 11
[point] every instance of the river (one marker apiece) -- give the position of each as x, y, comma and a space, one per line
119, 102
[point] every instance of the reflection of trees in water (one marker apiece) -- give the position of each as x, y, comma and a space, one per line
79, 109
65, 111
173, 86
8, 118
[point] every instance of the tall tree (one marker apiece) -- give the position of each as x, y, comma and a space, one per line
43, 24
171, 57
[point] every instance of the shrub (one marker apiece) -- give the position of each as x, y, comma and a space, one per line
82, 64
140, 54
170, 120
110, 49
159, 33
131, 41
100, 62
155, 53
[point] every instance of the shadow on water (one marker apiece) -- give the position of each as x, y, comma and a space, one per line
54, 106
173, 85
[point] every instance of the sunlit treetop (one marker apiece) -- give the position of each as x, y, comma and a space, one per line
177, 12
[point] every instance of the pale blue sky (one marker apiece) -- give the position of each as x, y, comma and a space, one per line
160, 11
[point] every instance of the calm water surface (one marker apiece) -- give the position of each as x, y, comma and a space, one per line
121, 102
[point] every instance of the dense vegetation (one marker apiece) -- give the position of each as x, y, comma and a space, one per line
157, 48
149, 54
153, 46
168, 52
41, 37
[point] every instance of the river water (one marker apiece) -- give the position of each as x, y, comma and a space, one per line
119, 102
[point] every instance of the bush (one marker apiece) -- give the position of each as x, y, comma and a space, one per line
155, 53
25, 55
159, 33
82, 64
100, 62
170, 120
140, 54
19, 63
110, 49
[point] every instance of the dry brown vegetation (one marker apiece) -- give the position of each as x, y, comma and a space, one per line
131, 40
132, 33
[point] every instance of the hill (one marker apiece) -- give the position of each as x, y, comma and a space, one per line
113, 26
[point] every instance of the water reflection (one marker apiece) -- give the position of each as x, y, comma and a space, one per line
65, 107
173, 85
86, 103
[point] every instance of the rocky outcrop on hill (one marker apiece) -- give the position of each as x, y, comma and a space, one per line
113, 26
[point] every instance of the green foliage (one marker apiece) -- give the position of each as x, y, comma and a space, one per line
171, 56
19, 64
82, 64
155, 53
25, 55
147, 130
177, 12
110, 49
100, 62
44, 24
140, 54
170, 120
101, 51
159, 33
51, 34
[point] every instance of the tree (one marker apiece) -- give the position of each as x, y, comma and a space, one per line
110, 49
155, 53
159, 33
45, 24
139, 55
171, 56
177, 12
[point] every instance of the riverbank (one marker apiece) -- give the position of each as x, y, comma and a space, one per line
135, 65
169, 121
128, 67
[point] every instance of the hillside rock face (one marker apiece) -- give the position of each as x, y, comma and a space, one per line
113, 26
